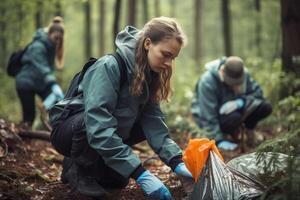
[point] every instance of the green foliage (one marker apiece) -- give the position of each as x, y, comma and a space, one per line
284, 185
288, 112
289, 84
9, 103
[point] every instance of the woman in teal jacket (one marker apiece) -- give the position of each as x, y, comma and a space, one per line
37, 74
119, 115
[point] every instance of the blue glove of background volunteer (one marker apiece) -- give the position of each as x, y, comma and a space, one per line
56, 95
153, 187
231, 106
181, 170
227, 145
57, 91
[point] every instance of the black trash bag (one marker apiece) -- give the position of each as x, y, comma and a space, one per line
219, 181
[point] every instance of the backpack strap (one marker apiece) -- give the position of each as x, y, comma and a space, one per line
86, 66
122, 67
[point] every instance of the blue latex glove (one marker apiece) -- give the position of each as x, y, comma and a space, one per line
231, 106
181, 170
227, 145
50, 101
55, 96
153, 187
57, 91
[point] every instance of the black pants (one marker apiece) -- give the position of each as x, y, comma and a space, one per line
70, 140
230, 123
27, 98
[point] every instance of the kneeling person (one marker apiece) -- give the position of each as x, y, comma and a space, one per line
226, 96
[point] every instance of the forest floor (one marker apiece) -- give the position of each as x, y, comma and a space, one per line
31, 168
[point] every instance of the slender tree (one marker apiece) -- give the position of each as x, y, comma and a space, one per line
132, 12
290, 24
102, 12
226, 27
21, 16
3, 44
173, 4
88, 37
258, 27
157, 8
197, 21
58, 8
116, 19
145, 11
38, 14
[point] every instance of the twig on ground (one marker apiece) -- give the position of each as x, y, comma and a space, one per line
40, 134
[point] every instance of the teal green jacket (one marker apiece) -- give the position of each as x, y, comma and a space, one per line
111, 111
38, 64
211, 93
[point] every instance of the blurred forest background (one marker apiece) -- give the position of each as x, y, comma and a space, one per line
265, 33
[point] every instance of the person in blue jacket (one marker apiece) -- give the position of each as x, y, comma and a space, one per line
227, 97
115, 118
37, 74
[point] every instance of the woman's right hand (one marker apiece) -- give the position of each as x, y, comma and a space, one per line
153, 187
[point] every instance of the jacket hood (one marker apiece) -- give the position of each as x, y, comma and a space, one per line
126, 42
42, 36
213, 67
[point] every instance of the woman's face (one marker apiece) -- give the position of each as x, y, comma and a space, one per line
56, 37
162, 54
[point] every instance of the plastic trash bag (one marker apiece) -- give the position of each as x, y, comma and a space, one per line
196, 154
215, 179
219, 181
255, 166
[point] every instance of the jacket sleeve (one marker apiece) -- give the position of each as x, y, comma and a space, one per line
253, 96
100, 91
37, 56
157, 133
253, 90
208, 104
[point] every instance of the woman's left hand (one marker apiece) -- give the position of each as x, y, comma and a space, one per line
185, 177
181, 170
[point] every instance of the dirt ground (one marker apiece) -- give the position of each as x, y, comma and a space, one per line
30, 169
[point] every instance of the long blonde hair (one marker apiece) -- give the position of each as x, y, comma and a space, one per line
157, 29
59, 51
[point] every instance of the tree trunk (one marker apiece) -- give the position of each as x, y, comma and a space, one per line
145, 10
88, 40
38, 14
102, 27
117, 19
3, 44
21, 17
226, 27
132, 12
58, 8
172, 8
157, 8
197, 50
290, 23
258, 27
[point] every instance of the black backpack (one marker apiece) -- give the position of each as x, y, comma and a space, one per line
68, 106
14, 64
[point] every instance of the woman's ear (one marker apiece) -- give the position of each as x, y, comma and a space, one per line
147, 43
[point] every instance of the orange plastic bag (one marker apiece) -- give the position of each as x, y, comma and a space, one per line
196, 154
